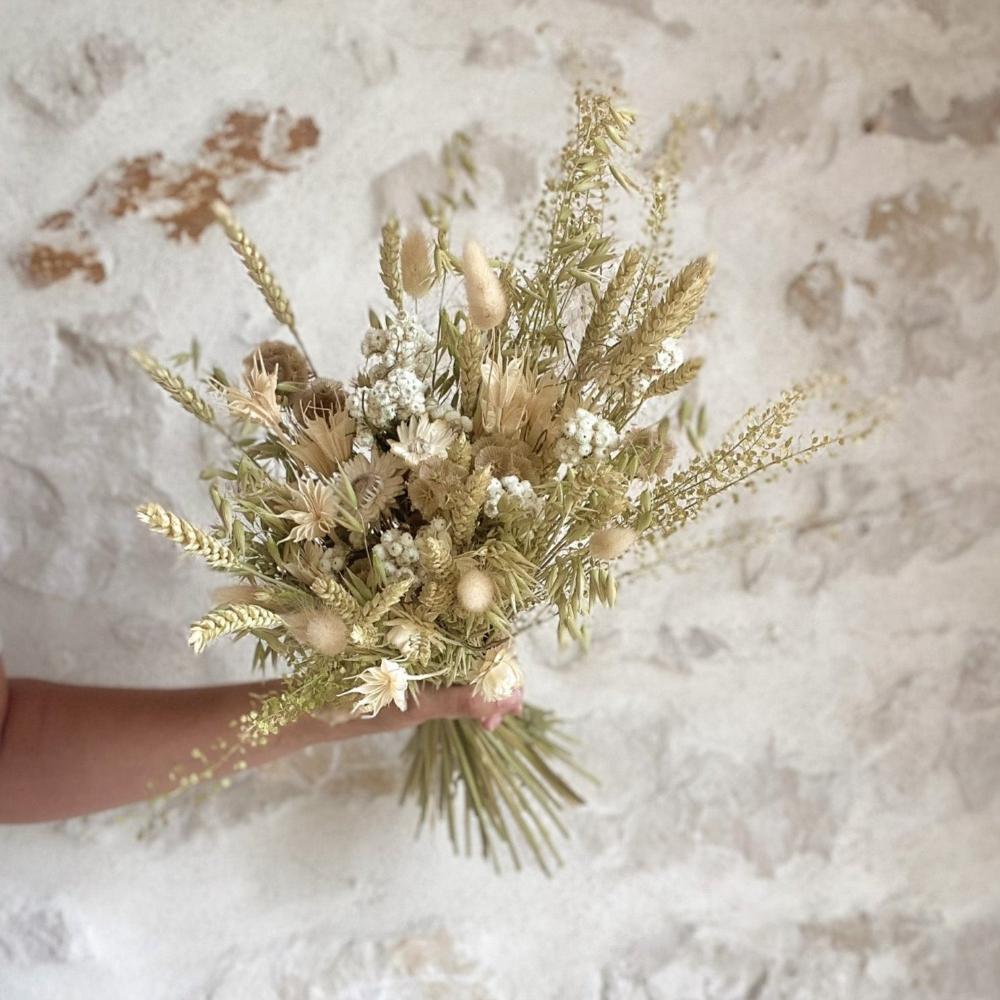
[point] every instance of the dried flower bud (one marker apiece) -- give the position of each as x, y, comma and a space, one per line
415, 264
611, 543
289, 361
487, 301
475, 591
322, 629
402, 636
322, 397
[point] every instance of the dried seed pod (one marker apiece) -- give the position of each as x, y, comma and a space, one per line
611, 543
321, 629
415, 265
475, 591
486, 297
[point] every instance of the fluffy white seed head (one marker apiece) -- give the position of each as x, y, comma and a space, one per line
611, 543
415, 265
403, 637
322, 630
475, 591
485, 294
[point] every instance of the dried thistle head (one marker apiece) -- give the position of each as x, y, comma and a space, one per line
487, 300
503, 397
321, 397
277, 356
431, 485
315, 510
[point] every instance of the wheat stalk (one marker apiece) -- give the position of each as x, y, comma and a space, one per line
670, 317
672, 381
191, 539
338, 597
174, 386
465, 511
386, 599
234, 620
260, 274
435, 555
389, 266
599, 326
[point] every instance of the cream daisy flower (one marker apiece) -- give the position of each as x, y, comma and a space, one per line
382, 684
500, 675
314, 511
259, 401
376, 482
422, 439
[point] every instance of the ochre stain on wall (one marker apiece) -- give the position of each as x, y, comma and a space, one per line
177, 195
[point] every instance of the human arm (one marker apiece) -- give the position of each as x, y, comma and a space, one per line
66, 750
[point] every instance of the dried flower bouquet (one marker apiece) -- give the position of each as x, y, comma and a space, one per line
493, 464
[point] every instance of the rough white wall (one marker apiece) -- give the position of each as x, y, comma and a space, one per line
799, 745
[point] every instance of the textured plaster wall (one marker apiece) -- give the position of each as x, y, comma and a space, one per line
799, 744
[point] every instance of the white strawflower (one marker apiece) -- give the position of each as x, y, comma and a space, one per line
422, 439
334, 560
404, 637
520, 495
500, 675
380, 685
397, 551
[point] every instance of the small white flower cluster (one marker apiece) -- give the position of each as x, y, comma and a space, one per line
404, 343
451, 416
397, 551
585, 435
670, 356
521, 493
400, 359
398, 396
334, 559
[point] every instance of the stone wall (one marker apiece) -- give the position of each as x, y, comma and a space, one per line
798, 742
